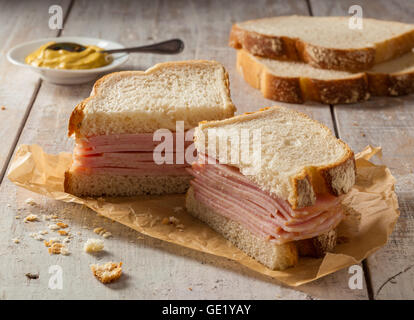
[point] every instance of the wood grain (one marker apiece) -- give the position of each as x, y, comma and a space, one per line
21, 21
389, 123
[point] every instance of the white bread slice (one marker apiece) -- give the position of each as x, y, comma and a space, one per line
144, 101
299, 156
297, 82
324, 42
84, 185
274, 256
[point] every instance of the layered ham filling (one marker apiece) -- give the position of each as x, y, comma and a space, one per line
224, 189
128, 154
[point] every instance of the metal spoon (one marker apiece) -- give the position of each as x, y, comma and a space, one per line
172, 46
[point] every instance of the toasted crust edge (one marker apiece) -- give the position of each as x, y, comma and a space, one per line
301, 89
293, 49
77, 115
336, 178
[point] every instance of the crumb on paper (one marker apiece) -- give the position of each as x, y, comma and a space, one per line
17, 217
66, 240
191, 289
93, 245
43, 232
3, 107
32, 276
107, 272
15, 240
51, 241
62, 225
53, 227
64, 251
63, 232
31, 218
30, 201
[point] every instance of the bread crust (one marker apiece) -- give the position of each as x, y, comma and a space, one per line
301, 89
76, 118
336, 178
294, 49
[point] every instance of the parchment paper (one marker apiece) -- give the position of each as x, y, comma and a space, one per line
371, 206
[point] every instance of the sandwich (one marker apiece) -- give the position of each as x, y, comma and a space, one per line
271, 182
131, 113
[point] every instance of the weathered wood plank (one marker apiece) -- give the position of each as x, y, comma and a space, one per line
153, 269
386, 122
20, 21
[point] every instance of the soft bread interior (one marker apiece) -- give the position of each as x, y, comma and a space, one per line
136, 102
299, 157
85, 185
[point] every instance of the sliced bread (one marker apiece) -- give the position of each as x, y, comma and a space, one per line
299, 157
144, 101
297, 82
324, 42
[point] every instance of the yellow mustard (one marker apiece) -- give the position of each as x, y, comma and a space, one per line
61, 59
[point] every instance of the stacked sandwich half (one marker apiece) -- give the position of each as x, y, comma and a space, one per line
129, 114
325, 59
271, 182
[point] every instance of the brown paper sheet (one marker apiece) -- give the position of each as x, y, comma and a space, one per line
371, 206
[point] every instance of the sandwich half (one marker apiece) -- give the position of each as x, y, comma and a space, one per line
115, 128
271, 182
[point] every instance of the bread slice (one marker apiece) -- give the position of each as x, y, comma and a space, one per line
274, 256
144, 101
297, 82
324, 42
299, 157
84, 185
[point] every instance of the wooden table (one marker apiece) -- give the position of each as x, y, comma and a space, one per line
37, 112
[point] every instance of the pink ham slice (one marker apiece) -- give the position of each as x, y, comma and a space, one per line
124, 154
140, 142
230, 193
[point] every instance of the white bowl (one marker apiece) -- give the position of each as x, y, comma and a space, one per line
17, 55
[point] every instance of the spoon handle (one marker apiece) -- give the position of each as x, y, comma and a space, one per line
172, 46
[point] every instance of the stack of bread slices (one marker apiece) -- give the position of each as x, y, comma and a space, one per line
298, 58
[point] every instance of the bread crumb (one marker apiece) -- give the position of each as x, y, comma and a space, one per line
56, 248
30, 201
17, 217
102, 232
107, 272
191, 289
107, 234
15, 240
31, 218
165, 221
53, 227
62, 225
36, 236
93, 245
64, 251
43, 232
63, 232
3, 108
